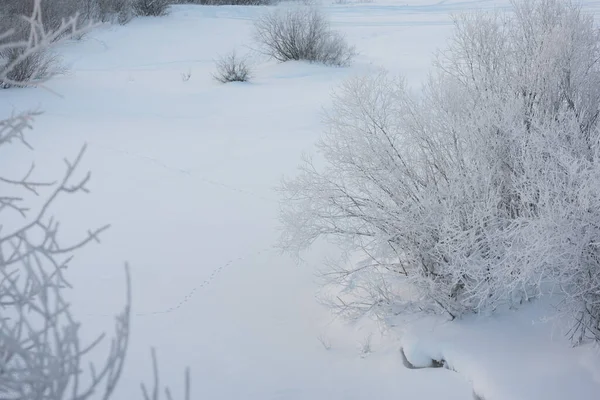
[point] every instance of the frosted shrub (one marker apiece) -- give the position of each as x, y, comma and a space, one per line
22, 65
28, 69
151, 8
120, 11
301, 33
484, 189
53, 11
232, 68
227, 2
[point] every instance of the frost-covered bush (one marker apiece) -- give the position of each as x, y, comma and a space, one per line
232, 68
482, 190
22, 65
53, 11
27, 69
301, 33
227, 2
120, 11
151, 8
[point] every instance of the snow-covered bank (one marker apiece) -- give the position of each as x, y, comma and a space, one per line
518, 355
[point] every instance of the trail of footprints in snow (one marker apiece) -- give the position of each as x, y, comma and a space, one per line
184, 171
192, 292
215, 272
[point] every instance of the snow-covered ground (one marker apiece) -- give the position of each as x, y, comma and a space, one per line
513, 355
184, 170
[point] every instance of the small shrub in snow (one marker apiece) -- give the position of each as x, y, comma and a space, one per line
25, 68
151, 8
23, 65
53, 11
481, 192
301, 33
232, 68
120, 11
227, 2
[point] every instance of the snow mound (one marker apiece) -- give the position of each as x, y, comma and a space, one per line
514, 355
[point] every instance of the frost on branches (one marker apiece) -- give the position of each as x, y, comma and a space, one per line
41, 354
481, 191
